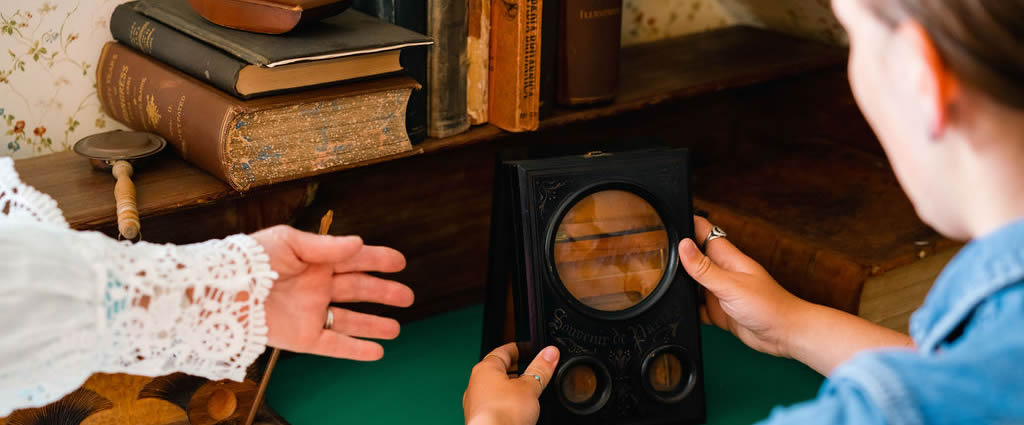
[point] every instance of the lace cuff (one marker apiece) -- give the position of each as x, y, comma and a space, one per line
21, 201
197, 309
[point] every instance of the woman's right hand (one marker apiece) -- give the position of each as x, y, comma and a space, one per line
741, 296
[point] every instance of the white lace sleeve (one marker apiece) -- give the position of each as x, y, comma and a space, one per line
74, 303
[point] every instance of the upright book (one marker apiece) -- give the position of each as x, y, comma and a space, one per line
477, 50
446, 23
445, 70
261, 141
411, 15
515, 56
347, 35
588, 51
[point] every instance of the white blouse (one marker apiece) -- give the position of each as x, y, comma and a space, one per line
73, 303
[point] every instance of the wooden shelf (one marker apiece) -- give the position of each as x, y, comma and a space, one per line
652, 74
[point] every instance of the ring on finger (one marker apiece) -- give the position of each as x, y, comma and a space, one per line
716, 232
535, 376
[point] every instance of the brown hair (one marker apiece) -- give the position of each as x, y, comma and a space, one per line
981, 41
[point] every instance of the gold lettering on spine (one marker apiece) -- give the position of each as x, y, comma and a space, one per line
141, 36
530, 50
179, 124
108, 98
122, 93
599, 13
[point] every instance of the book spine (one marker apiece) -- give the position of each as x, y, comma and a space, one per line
411, 15
816, 274
166, 44
383, 9
514, 93
446, 103
588, 66
550, 22
477, 47
146, 95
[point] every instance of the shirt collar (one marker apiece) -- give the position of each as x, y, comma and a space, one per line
981, 268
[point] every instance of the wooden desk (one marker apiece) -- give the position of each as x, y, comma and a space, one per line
424, 373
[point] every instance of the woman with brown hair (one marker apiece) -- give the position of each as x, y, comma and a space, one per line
942, 84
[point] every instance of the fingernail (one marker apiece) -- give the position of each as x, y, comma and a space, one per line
550, 354
688, 250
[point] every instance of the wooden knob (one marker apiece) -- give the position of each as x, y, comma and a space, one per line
124, 197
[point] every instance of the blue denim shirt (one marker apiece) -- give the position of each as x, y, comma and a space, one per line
968, 367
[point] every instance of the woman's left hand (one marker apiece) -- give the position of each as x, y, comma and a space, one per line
315, 270
493, 397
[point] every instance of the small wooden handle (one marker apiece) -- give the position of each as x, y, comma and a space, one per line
124, 197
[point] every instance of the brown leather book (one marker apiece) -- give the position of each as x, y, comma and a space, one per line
477, 51
588, 51
829, 222
250, 143
267, 16
514, 93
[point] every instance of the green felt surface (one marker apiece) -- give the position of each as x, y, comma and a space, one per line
424, 372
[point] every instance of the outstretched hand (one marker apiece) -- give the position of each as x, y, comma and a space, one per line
315, 270
493, 397
741, 296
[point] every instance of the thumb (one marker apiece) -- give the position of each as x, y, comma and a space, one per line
700, 266
541, 369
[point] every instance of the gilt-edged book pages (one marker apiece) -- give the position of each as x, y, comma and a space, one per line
251, 143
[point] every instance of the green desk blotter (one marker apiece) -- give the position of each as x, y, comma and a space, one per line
424, 372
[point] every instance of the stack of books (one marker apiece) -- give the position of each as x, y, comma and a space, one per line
255, 109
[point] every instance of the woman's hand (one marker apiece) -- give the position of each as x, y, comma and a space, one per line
741, 296
493, 397
315, 270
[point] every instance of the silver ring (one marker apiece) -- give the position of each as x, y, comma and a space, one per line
329, 323
537, 377
716, 232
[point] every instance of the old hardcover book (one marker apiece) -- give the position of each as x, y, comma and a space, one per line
514, 93
446, 102
830, 223
411, 15
588, 51
232, 74
256, 142
267, 16
549, 26
348, 34
477, 47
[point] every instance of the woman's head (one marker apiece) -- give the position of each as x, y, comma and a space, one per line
942, 84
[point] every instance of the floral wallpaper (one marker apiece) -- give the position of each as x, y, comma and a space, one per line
48, 53
651, 20
806, 18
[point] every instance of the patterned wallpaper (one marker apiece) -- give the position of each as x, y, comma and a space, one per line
651, 20
48, 52
806, 18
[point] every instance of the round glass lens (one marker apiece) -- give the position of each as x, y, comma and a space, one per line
579, 384
665, 373
611, 250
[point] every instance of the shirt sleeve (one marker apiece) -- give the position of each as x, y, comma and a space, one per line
74, 303
976, 379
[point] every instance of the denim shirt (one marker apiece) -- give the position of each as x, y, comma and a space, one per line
968, 367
